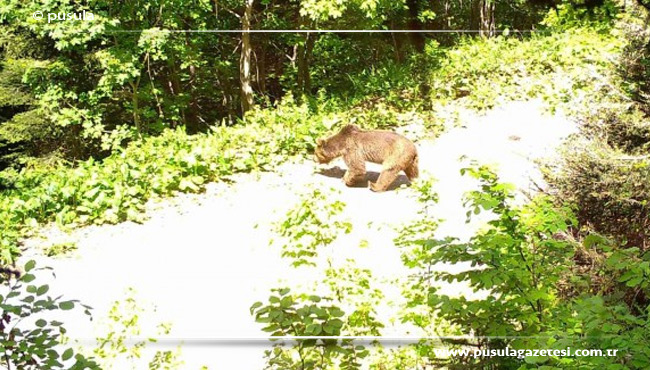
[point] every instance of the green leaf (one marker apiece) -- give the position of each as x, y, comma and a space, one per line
42, 289
313, 329
66, 305
187, 184
67, 354
255, 306
30, 265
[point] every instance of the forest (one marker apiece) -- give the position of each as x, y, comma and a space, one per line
166, 148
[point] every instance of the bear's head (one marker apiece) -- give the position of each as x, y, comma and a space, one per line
333, 146
323, 151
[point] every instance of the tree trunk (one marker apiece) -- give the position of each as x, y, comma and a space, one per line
397, 43
135, 106
474, 20
309, 51
487, 22
261, 67
245, 60
417, 38
448, 13
175, 88
305, 51
192, 117
396, 48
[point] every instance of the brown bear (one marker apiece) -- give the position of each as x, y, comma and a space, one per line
393, 151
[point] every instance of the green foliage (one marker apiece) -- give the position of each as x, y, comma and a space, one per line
558, 67
97, 87
23, 129
60, 249
342, 303
635, 59
604, 291
117, 188
622, 126
537, 286
604, 173
300, 126
605, 324
402, 358
309, 226
288, 315
312, 315
416, 240
422, 228
354, 287
325, 9
572, 13
342, 68
516, 260
123, 323
28, 341
608, 186
80, 90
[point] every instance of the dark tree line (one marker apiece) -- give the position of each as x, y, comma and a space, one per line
83, 88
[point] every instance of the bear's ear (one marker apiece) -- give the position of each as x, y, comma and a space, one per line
350, 128
319, 141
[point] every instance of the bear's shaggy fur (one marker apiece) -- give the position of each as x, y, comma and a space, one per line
393, 151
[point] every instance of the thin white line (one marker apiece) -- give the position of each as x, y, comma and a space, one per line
359, 337
267, 341
318, 31
317, 337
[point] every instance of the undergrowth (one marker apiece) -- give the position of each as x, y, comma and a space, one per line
557, 68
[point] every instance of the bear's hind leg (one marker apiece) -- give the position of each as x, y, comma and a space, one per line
386, 178
412, 171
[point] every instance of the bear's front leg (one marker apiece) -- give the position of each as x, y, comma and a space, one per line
356, 169
351, 179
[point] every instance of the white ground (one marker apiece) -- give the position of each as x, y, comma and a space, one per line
204, 259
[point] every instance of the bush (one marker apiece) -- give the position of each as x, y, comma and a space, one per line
622, 125
343, 302
537, 293
28, 341
117, 188
635, 59
24, 132
556, 67
610, 189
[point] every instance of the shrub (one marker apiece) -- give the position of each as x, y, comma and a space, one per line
635, 59
123, 322
536, 293
621, 125
117, 188
554, 66
611, 190
27, 340
311, 225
